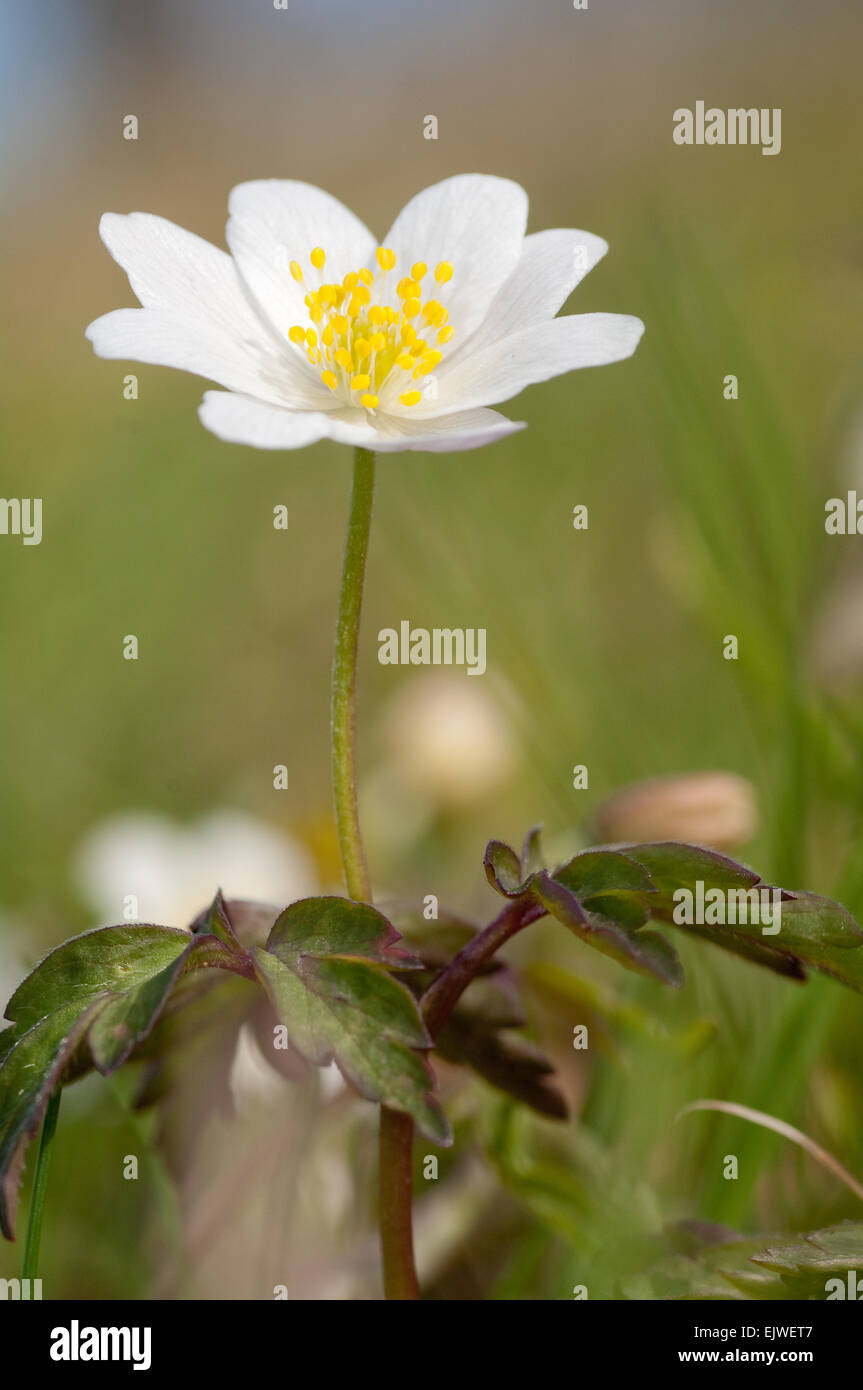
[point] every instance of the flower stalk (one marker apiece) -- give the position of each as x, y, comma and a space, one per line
396, 1130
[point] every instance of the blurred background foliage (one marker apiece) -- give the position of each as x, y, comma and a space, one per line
605, 646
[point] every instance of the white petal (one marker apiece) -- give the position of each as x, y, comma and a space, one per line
502, 370
197, 314
150, 335
551, 264
242, 420
468, 429
276, 221
476, 222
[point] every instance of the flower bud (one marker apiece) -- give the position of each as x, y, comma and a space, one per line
716, 809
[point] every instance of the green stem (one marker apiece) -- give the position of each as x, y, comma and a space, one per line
396, 1132
40, 1188
344, 685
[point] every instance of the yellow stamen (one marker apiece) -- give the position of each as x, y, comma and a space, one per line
369, 401
318, 258
330, 379
378, 342
418, 269
366, 276
351, 279
443, 272
296, 271
362, 348
359, 383
385, 258
405, 361
411, 397
445, 334
297, 335
344, 359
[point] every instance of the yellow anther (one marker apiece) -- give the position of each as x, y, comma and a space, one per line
361, 294
341, 324
296, 271
385, 258
418, 269
344, 359
411, 397
409, 334
366, 276
404, 288
443, 272
297, 335
369, 401
330, 379
359, 383
411, 309
310, 355
378, 342
362, 349
316, 313
327, 294
418, 346
354, 308
377, 314
392, 314
351, 279
311, 337
445, 334
309, 301
434, 311
429, 360
327, 336
405, 361
319, 256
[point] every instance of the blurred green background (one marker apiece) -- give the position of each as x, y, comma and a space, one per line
605, 646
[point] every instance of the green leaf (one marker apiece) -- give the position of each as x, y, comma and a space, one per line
795, 1267
325, 967
531, 855
672, 865
508, 1063
833, 1250
603, 872
31, 1070
644, 951
90, 1001
503, 869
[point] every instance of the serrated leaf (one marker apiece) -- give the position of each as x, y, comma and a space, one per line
325, 967
644, 951
216, 921
508, 1063
835, 1249
90, 1001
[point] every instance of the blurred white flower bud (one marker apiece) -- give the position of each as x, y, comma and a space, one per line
716, 809
448, 739
171, 871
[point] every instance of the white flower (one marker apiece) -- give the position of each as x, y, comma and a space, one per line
173, 871
317, 331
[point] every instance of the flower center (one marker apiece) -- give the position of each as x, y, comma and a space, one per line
359, 340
